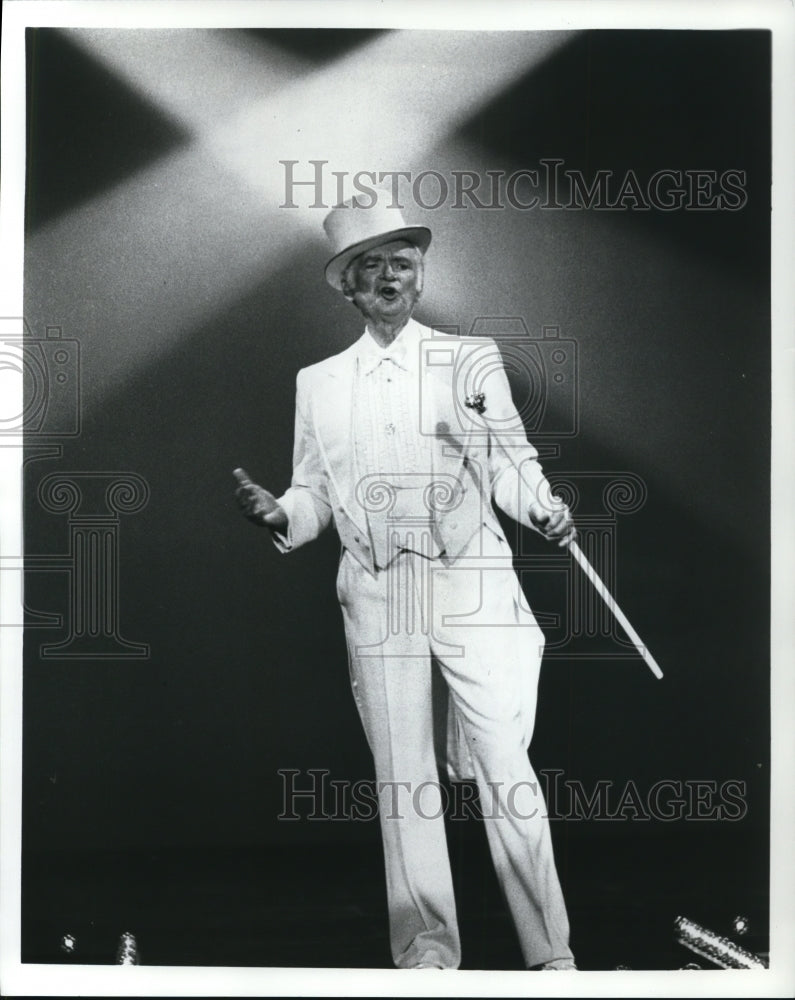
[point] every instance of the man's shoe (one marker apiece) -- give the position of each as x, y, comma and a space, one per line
556, 965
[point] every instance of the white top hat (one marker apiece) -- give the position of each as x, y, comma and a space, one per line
352, 229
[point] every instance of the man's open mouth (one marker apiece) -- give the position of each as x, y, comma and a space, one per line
388, 293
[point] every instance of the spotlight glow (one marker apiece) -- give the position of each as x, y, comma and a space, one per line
169, 247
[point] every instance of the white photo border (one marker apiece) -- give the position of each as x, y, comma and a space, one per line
778, 16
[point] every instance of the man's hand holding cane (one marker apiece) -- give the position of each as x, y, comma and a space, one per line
555, 525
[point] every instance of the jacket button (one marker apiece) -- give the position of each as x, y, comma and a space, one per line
356, 538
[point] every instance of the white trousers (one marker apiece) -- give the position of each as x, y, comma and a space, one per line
471, 617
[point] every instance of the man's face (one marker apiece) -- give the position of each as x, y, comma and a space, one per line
384, 283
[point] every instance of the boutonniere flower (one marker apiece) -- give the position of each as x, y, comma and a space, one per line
476, 401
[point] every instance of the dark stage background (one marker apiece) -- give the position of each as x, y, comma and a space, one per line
151, 791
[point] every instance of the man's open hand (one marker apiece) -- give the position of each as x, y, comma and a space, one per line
257, 504
554, 523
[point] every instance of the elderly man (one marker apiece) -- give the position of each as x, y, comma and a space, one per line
392, 448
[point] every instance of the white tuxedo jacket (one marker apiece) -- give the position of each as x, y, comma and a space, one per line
477, 459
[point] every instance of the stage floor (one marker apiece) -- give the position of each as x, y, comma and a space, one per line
323, 905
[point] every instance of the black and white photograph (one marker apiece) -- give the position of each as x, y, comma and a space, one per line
397, 487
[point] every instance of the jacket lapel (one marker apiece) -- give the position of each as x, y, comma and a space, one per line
332, 414
446, 418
